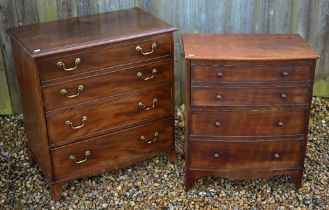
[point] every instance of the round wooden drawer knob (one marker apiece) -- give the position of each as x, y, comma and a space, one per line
280, 123
283, 96
284, 74
216, 155
218, 97
220, 74
218, 123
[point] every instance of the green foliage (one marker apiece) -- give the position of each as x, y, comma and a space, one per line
321, 87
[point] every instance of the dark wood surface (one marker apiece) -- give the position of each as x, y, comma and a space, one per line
193, 175
113, 109
187, 117
246, 96
247, 47
248, 122
248, 74
105, 57
107, 84
188, 16
34, 116
125, 146
248, 103
86, 31
109, 115
271, 155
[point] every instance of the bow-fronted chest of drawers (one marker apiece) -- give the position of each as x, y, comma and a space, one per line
247, 105
97, 92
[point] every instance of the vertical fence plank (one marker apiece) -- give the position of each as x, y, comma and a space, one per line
7, 11
295, 7
283, 17
265, 16
87, 7
5, 103
184, 24
108, 5
304, 19
241, 16
144, 4
66, 9
235, 14
27, 12
47, 10
126, 4
247, 16
215, 16
321, 86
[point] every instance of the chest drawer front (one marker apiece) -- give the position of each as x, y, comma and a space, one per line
245, 155
244, 96
248, 122
251, 73
80, 122
79, 63
105, 85
112, 150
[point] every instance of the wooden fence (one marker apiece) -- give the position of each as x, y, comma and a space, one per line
310, 18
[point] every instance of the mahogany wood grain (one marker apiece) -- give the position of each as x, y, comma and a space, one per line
87, 31
109, 97
248, 122
56, 190
108, 84
32, 160
247, 47
247, 155
124, 146
105, 57
239, 123
193, 175
187, 116
271, 64
109, 115
251, 73
246, 96
34, 117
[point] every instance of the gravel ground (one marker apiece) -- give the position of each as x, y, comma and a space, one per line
157, 183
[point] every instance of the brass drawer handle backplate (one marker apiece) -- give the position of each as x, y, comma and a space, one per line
144, 139
72, 157
146, 108
65, 92
141, 75
77, 61
140, 49
83, 122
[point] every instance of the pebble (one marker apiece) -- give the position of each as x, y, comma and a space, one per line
158, 184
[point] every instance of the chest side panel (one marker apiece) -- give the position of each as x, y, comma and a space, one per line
34, 117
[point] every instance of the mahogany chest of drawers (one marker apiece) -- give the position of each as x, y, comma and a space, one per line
248, 102
97, 92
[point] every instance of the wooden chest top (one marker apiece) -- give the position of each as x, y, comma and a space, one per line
247, 47
80, 32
